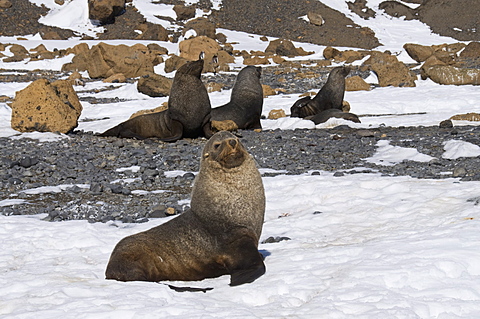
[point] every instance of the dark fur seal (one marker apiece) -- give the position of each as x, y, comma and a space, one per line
188, 113
159, 125
246, 102
217, 236
323, 116
188, 102
330, 95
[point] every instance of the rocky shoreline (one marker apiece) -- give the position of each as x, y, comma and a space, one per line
103, 179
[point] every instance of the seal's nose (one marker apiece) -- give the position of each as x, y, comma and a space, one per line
232, 142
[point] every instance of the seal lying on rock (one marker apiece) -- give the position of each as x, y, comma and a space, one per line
246, 102
218, 235
188, 113
329, 97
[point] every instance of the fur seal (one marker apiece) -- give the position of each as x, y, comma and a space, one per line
218, 235
330, 95
246, 102
188, 113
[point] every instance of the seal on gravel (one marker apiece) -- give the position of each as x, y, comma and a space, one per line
246, 102
218, 235
330, 95
188, 113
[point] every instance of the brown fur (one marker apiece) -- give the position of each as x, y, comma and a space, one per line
246, 103
188, 113
217, 236
330, 95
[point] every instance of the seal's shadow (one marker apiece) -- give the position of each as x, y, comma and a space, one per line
264, 253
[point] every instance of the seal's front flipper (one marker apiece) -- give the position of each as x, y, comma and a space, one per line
245, 263
244, 276
176, 130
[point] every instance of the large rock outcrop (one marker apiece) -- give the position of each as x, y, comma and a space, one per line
104, 60
46, 107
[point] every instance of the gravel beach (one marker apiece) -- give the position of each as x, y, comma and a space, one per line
106, 179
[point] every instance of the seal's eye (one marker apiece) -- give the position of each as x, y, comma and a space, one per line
216, 145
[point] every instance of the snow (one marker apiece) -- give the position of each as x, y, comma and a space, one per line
362, 245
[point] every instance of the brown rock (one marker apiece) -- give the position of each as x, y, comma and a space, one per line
154, 85
184, 12
60, 2
51, 35
276, 114
448, 75
41, 53
78, 49
256, 60
349, 56
202, 27
75, 78
19, 53
5, 4
173, 63
104, 60
46, 107
315, 18
154, 32
397, 9
474, 117
472, 50
268, 90
227, 125
104, 11
278, 59
116, 78
329, 53
418, 52
356, 83
214, 87
285, 48
160, 108
389, 70
190, 49
324, 63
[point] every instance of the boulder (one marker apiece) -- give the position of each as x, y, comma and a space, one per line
448, 75
19, 53
356, 83
46, 107
315, 18
472, 50
104, 60
474, 117
256, 60
418, 52
173, 63
285, 48
184, 12
227, 125
116, 78
5, 4
150, 31
202, 27
329, 53
154, 85
214, 87
190, 49
276, 114
268, 90
105, 11
389, 70
397, 10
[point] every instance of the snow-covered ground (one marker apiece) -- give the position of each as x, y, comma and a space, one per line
362, 245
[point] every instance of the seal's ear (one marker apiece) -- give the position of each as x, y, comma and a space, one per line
201, 56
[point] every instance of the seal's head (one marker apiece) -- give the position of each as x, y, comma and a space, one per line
225, 149
299, 108
192, 68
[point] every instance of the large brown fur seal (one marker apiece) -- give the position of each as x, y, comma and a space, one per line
188, 113
330, 95
246, 102
218, 235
